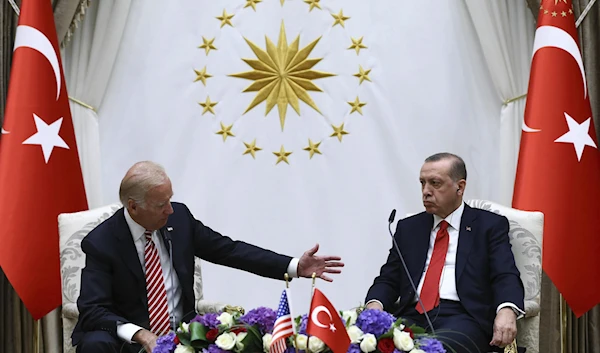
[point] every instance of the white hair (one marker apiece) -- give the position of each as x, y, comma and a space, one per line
139, 179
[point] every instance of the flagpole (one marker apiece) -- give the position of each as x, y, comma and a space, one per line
563, 324
36, 336
312, 291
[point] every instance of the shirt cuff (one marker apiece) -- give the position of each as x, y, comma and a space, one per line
292, 269
126, 331
374, 301
520, 313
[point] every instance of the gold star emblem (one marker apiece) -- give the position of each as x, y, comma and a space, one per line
362, 74
207, 45
282, 75
563, 14
356, 106
312, 148
570, 11
313, 4
282, 155
557, 1
357, 45
546, 12
225, 19
225, 131
252, 3
554, 14
208, 106
338, 131
251, 148
339, 18
202, 75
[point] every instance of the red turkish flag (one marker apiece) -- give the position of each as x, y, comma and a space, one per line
40, 175
325, 323
559, 164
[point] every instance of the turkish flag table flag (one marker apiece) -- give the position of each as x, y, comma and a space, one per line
40, 174
325, 323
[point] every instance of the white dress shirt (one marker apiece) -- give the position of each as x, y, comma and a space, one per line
128, 330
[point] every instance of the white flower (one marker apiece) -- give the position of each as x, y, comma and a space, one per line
356, 334
226, 319
301, 341
350, 317
402, 340
185, 327
315, 345
267, 338
416, 350
239, 346
183, 349
226, 341
369, 343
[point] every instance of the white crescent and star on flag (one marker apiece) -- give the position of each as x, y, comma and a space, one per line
314, 317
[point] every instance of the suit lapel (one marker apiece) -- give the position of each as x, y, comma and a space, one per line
466, 234
178, 250
422, 245
127, 250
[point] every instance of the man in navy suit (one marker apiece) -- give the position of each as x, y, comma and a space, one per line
461, 261
114, 314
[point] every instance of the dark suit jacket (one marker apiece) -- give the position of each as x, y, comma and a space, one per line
113, 286
486, 274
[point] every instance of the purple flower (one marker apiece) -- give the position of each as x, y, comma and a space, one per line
263, 317
430, 345
354, 348
214, 349
303, 323
209, 320
165, 344
375, 321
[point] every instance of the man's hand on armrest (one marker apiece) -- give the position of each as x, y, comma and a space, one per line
505, 327
146, 338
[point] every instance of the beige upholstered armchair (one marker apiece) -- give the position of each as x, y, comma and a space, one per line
73, 227
526, 231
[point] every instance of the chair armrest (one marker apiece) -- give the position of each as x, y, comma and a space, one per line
207, 306
532, 308
70, 311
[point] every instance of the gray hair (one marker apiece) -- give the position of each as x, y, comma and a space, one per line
139, 179
458, 169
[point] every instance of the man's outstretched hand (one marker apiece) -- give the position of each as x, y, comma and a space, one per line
310, 263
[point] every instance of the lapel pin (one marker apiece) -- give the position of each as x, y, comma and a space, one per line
468, 229
171, 228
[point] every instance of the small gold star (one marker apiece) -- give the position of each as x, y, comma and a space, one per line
225, 19
362, 74
281, 1
312, 148
225, 131
557, 1
313, 4
338, 131
564, 14
208, 106
357, 45
570, 11
541, 7
202, 75
282, 155
545, 12
252, 3
207, 45
339, 18
357, 106
554, 14
251, 148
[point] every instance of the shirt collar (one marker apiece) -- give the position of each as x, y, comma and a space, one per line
137, 231
453, 218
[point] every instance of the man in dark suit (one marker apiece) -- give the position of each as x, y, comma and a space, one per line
128, 266
461, 261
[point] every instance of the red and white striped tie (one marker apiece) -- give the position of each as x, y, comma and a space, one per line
158, 308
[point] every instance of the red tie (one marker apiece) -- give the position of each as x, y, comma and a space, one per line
430, 293
158, 309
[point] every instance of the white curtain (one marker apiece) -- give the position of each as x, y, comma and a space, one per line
89, 60
505, 30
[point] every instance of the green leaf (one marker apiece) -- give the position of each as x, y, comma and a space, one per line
198, 334
416, 329
253, 340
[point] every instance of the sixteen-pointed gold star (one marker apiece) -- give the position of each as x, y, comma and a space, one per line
252, 3
357, 45
251, 148
202, 75
339, 18
356, 106
282, 155
225, 19
282, 75
225, 131
338, 131
208, 106
207, 44
313, 4
312, 148
362, 74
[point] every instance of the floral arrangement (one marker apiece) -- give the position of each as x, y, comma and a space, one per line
370, 331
